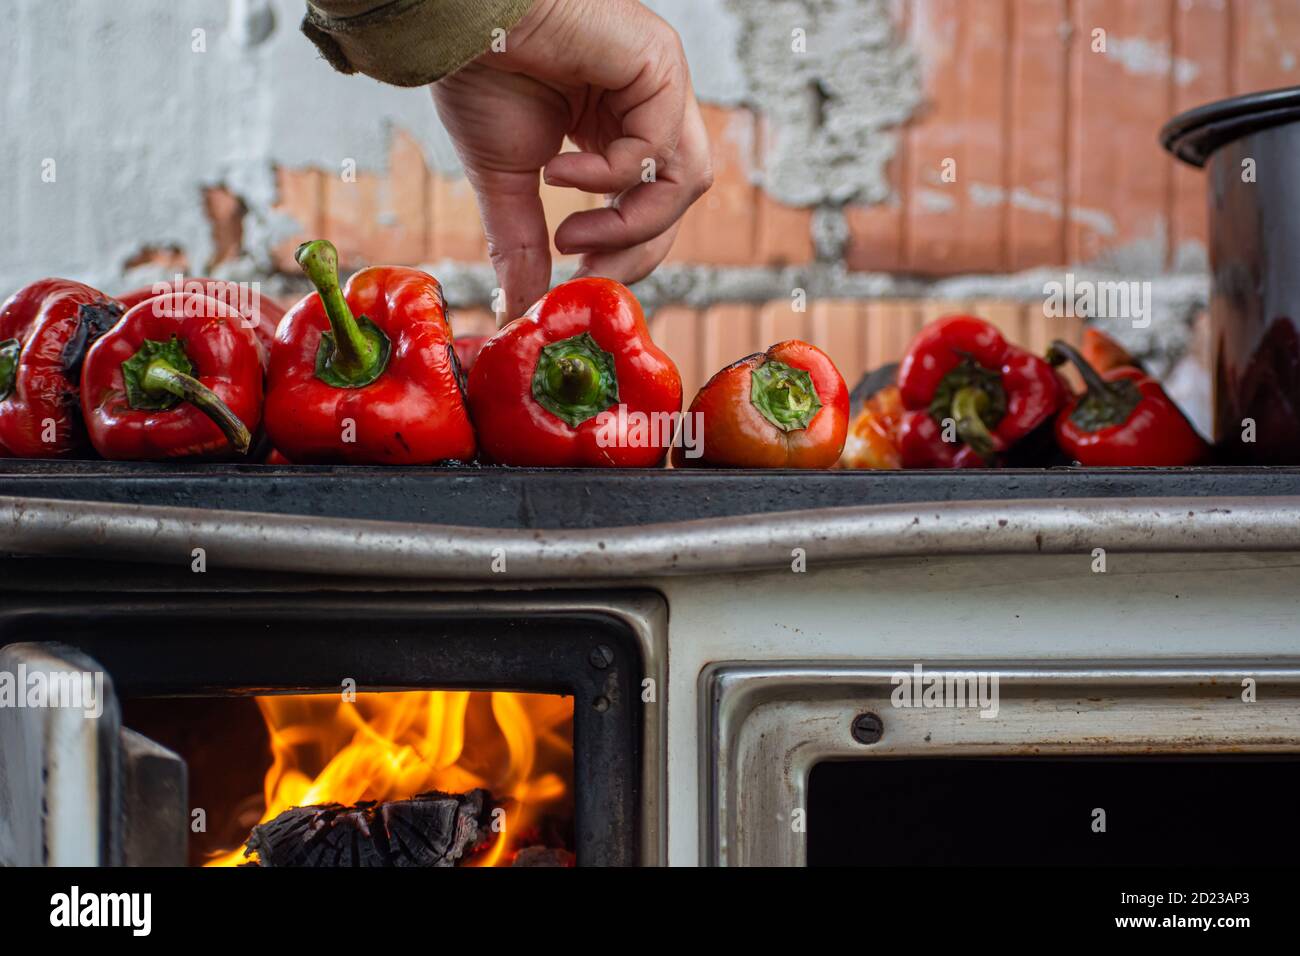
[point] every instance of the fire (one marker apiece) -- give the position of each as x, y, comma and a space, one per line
387, 746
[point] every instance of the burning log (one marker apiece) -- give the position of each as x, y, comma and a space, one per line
543, 856
429, 829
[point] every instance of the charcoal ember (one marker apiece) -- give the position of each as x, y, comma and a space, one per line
534, 856
429, 829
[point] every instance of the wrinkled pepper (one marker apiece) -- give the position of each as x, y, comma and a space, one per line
787, 407
872, 442
970, 396
366, 374
45, 332
1124, 419
260, 312
576, 382
178, 377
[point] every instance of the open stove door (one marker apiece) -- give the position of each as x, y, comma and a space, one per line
76, 787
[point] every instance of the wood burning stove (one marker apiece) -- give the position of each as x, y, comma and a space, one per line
127, 802
734, 635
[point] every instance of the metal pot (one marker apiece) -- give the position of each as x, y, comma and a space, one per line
1249, 147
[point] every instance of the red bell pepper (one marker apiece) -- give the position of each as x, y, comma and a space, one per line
45, 331
1124, 419
366, 374
178, 377
260, 312
787, 407
970, 395
576, 382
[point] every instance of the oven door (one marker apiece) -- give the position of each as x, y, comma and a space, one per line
1058, 764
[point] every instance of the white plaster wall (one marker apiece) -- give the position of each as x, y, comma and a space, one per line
138, 123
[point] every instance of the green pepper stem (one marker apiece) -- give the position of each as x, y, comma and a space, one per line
9, 351
1105, 403
573, 380
162, 377
1061, 352
968, 407
784, 395
355, 355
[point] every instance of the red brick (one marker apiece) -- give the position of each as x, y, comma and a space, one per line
720, 228
836, 327
1201, 27
352, 216
455, 230
730, 332
403, 223
889, 327
1036, 233
225, 213
784, 233
1267, 53
1119, 194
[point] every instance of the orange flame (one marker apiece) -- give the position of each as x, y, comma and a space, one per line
388, 746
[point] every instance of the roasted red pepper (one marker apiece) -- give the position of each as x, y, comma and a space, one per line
970, 395
872, 442
576, 382
787, 407
178, 377
260, 312
366, 374
1124, 419
45, 331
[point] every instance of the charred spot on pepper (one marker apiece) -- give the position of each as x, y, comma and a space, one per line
93, 320
575, 379
457, 370
784, 395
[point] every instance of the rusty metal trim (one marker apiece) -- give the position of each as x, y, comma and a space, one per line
267, 542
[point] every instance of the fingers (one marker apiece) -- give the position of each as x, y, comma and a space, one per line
647, 209
518, 243
504, 126
651, 137
629, 265
647, 89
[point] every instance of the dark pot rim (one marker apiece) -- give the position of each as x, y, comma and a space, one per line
1195, 135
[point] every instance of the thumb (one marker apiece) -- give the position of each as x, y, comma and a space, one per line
519, 244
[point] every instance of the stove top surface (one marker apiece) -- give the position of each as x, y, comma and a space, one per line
492, 497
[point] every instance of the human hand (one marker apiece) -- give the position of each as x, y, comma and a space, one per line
612, 76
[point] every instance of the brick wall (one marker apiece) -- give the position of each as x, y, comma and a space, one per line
1053, 146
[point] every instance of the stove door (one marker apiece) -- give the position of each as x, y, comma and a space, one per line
76, 788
